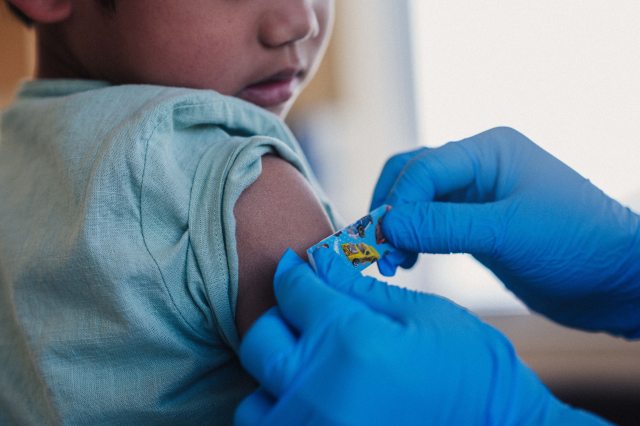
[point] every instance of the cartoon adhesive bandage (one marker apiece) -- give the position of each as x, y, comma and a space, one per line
360, 244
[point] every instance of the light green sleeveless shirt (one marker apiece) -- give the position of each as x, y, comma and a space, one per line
118, 263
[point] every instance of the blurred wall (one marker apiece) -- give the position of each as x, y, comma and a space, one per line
564, 72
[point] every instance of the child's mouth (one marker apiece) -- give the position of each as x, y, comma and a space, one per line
273, 91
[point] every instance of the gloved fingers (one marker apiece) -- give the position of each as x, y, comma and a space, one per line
254, 408
435, 227
389, 174
378, 295
303, 298
267, 349
390, 262
434, 173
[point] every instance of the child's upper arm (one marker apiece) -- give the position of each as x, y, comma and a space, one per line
277, 211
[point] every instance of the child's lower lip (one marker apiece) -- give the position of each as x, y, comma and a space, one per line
269, 94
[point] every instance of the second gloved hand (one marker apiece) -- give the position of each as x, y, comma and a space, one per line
558, 242
346, 349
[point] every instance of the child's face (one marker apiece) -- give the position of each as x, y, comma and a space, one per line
263, 51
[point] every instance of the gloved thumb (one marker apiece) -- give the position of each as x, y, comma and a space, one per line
443, 227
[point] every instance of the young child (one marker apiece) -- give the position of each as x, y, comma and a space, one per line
148, 187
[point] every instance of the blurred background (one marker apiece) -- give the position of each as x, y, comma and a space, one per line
402, 73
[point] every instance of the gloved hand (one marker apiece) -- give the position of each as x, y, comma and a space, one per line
344, 349
559, 243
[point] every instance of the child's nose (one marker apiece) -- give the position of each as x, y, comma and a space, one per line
288, 21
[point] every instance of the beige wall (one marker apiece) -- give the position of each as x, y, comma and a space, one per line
16, 55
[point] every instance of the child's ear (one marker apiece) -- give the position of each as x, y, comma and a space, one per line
44, 11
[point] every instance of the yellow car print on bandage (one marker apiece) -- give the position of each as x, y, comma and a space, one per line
359, 253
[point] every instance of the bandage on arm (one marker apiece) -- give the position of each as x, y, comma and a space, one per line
279, 210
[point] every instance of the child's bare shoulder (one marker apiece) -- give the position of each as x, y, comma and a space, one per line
277, 211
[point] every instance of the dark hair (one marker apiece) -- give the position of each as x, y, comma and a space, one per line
109, 5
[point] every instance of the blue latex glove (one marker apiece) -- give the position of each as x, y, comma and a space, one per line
344, 349
559, 243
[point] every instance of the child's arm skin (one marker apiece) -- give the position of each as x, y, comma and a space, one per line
277, 211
